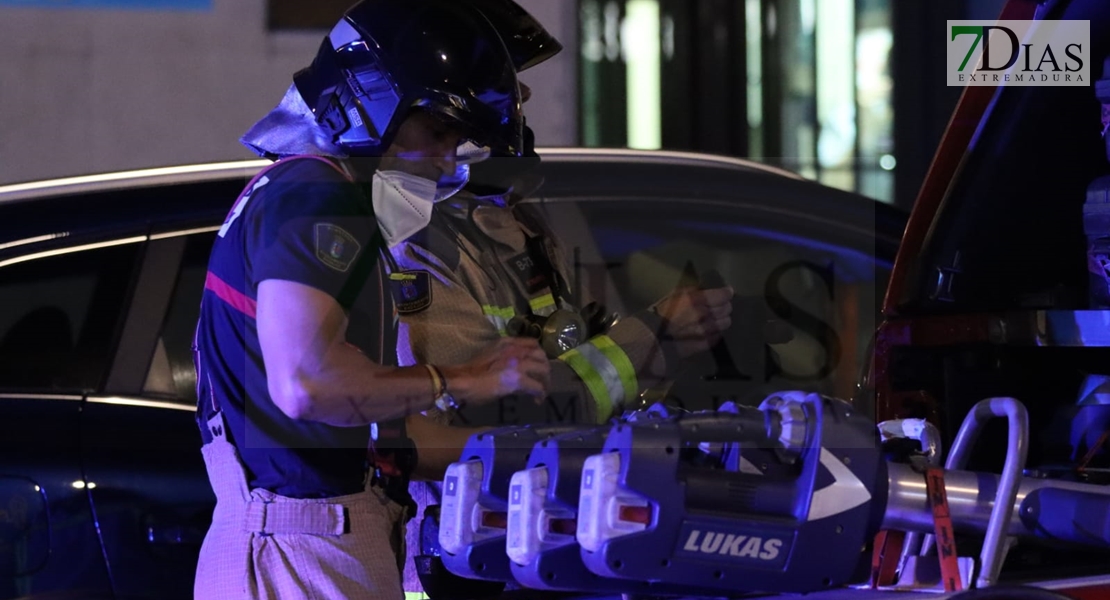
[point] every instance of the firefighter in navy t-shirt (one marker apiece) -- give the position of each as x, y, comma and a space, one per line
297, 330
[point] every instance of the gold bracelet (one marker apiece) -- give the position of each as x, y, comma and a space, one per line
443, 400
438, 383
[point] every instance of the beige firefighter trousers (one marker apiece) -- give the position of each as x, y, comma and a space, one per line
265, 546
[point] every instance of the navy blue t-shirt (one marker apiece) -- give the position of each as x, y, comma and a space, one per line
301, 220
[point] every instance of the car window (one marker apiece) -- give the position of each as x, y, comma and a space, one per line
60, 316
172, 373
806, 303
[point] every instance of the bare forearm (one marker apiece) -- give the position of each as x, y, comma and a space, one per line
313, 374
438, 446
349, 390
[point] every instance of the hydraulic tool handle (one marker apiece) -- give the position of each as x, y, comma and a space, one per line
749, 426
651, 455
516, 436
740, 494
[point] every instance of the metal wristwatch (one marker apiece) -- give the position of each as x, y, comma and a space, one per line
444, 401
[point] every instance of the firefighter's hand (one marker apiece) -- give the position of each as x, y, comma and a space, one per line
513, 365
695, 319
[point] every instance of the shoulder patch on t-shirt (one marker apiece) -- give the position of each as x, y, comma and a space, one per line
335, 247
412, 291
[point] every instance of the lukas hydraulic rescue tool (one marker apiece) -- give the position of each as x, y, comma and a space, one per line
786, 498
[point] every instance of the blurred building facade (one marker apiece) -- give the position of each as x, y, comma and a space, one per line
847, 92
808, 85
88, 86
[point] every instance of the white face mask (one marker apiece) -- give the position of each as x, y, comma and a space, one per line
403, 202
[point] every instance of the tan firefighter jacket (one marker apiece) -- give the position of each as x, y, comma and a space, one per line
469, 272
457, 285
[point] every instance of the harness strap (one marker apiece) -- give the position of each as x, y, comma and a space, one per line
885, 557
945, 533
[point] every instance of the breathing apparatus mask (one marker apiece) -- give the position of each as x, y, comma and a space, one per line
403, 202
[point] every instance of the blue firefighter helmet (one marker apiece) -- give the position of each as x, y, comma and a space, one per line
386, 58
529, 44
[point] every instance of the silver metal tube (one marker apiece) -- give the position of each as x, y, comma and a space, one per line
971, 498
1017, 450
994, 544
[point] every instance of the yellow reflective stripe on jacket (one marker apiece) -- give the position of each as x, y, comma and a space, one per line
629, 386
606, 371
500, 317
543, 305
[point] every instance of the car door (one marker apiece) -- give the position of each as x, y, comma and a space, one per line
141, 443
62, 300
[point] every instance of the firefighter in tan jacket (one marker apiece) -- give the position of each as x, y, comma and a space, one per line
487, 265
482, 266
486, 262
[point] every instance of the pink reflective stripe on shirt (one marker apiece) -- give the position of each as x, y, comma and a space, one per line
238, 300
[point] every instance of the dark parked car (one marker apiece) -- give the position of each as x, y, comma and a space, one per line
103, 492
